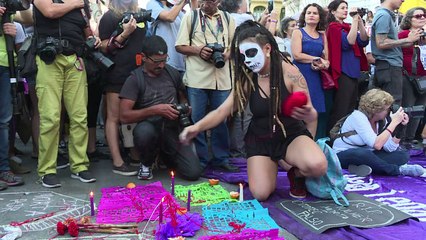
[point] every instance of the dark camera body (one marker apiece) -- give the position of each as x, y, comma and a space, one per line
96, 55
413, 111
140, 16
15, 5
360, 11
48, 49
217, 56
183, 110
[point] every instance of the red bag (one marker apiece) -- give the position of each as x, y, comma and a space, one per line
327, 80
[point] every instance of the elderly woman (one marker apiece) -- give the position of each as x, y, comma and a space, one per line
414, 19
372, 138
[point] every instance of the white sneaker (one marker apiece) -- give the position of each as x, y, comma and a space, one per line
414, 170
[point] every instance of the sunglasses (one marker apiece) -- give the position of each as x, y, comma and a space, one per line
419, 16
158, 61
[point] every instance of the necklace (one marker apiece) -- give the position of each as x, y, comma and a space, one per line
263, 75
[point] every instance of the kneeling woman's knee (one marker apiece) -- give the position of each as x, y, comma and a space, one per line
260, 193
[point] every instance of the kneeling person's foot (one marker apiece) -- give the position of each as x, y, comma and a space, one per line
297, 184
414, 170
84, 176
227, 168
125, 170
50, 181
145, 173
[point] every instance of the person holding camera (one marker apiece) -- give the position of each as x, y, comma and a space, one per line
206, 42
369, 138
386, 48
122, 29
153, 97
61, 29
346, 44
414, 19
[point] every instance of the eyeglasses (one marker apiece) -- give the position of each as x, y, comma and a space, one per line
419, 16
158, 61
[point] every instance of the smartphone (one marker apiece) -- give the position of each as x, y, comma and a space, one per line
317, 60
270, 5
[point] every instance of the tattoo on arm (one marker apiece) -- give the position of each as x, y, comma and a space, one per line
298, 80
384, 42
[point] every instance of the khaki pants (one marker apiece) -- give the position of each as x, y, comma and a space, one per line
62, 80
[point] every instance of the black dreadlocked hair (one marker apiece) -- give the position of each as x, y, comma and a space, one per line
243, 76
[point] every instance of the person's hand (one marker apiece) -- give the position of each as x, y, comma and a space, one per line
98, 41
415, 35
167, 110
9, 29
319, 64
305, 113
2, 11
264, 17
129, 27
188, 133
76, 3
398, 116
206, 53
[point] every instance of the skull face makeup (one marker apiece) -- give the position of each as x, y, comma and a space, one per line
253, 56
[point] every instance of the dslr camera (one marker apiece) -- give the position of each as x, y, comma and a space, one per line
94, 54
48, 49
15, 5
413, 112
183, 110
360, 11
141, 15
217, 56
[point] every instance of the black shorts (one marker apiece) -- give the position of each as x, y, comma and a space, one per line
275, 147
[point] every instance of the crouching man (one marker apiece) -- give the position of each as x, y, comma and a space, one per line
153, 97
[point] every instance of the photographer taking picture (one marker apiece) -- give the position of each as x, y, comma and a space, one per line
122, 29
153, 97
61, 29
369, 138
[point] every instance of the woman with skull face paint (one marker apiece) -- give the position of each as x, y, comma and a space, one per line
265, 80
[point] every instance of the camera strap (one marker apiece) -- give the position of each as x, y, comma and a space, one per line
414, 61
204, 22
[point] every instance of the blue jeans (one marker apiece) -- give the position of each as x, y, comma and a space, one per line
5, 116
381, 162
219, 140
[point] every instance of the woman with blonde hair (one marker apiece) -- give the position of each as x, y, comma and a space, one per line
370, 136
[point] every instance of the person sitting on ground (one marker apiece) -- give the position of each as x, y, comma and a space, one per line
149, 97
263, 79
373, 146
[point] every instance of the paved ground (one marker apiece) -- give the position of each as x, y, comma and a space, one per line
32, 199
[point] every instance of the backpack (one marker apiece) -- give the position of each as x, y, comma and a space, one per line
336, 131
126, 130
194, 19
332, 184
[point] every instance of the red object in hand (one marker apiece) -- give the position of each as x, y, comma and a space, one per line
296, 99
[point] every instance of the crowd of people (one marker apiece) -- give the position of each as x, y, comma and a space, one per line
196, 87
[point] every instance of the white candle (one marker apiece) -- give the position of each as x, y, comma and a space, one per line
241, 193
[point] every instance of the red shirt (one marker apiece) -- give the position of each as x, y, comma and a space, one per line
407, 55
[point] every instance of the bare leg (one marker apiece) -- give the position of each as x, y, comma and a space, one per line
262, 176
111, 128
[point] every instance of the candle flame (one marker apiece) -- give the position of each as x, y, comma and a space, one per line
91, 194
241, 185
172, 173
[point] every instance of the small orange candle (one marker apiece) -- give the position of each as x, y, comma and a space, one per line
234, 195
213, 182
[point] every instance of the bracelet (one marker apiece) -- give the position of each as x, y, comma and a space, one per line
273, 20
387, 129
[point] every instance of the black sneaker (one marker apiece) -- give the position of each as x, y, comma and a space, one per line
62, 161
125, 170
145, 173
84, 176
360, 170
50, 181
10, 179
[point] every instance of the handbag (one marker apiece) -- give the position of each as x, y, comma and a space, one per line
419, 82
26, 57
327, 80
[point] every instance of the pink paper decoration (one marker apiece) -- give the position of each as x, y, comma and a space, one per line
246, 234
123, 205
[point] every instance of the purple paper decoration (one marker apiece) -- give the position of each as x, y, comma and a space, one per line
246, 234
122, 205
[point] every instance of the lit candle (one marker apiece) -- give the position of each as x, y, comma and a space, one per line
160, 212
188, 204
241, 193
92, 205
173, 183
